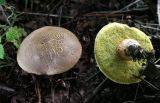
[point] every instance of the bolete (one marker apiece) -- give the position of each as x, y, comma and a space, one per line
49, 50
115, 47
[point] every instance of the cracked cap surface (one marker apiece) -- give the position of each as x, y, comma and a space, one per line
49, 50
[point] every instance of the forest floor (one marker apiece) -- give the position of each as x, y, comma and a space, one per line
84, 83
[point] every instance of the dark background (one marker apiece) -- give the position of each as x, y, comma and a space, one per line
84, 83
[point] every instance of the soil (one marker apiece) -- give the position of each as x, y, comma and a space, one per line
84, 83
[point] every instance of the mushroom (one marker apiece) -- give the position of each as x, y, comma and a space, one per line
49, 50
115, 47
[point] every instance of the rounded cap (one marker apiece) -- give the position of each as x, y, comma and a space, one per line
49, 50
106, 42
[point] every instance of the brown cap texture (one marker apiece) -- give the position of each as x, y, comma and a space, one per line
49, 50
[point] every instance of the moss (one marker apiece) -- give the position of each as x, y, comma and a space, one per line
107, 40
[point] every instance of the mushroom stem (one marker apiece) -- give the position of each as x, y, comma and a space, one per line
130, 49
37, 89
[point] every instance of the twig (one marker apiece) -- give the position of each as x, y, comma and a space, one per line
26, 4
98, 88
6, 88
58, 4
92, 76
60, 16
135, 97
158, 11
4, 14
157, 61
43, 14
145, 81
112, 13
151, 96
131, 4
150, 27
151, 24
6, 65
151, 85
145, 25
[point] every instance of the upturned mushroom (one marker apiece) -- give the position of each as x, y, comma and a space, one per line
119, 50
49, 50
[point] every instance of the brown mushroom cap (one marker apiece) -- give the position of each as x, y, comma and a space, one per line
49, 50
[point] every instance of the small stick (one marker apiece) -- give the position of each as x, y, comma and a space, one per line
57, 5
6, 88
60, 16
151, 96
148, 27
4, 14
150, 84
131, 4
158, 11
43, 14
92, 76
98, 88
134, 101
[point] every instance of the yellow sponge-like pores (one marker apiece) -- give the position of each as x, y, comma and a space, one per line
113, 67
